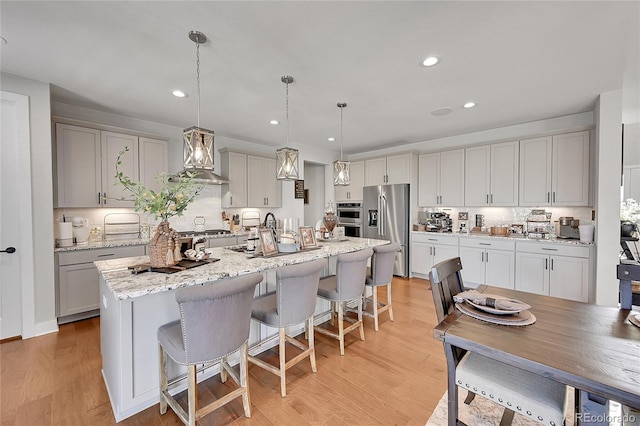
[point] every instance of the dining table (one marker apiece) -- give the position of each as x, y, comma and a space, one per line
593, 348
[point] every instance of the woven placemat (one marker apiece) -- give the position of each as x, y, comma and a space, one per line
519, 319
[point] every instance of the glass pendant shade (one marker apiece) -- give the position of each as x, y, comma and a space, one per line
198, 148
341, 173
287, 164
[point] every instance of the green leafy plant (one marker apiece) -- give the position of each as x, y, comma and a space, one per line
630, 211
172, 198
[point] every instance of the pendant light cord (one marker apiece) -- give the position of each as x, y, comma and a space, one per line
198, 78
287, 109
341, 138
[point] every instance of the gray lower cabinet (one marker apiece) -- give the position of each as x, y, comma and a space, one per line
78, 283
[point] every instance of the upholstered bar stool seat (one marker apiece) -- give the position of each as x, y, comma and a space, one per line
292, 303
381, 274
214, 323
346, 285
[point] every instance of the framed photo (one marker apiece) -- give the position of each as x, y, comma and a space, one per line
463, 215
307, 237
268, 242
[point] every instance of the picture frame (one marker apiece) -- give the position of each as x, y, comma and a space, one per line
307, 237
463, 215
268, 242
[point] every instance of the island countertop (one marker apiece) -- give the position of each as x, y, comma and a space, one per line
125, 285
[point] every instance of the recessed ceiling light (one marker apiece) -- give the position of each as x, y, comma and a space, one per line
442, 111
430, 61
469, 105
274, 122
331, 139
179, 94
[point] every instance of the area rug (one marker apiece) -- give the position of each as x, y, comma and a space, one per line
482, 412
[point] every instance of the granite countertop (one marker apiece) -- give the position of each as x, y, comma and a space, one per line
134, 242
516, 237
126, 285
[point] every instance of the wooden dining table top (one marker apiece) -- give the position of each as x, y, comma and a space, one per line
590, 347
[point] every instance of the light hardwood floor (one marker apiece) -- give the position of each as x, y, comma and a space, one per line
395, 377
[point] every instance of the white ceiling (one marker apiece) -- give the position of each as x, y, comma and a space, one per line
520, 61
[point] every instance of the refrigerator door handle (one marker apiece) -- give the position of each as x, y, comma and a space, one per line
379, 214
383, 214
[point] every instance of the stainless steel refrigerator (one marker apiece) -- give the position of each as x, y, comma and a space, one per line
386, 212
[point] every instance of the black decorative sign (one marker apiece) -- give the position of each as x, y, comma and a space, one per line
299, 189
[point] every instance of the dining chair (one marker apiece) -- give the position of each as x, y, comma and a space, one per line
538, 398
381, 274
345, 286
214, 322
293, 302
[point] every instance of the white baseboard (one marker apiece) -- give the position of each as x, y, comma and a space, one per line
46, 327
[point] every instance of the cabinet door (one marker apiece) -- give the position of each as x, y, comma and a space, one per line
112, 144
153, 160
569, 278
504, 174
375, 171
421, 258
78, 169
234, 168
428, 179
222, 242
442, 252
272, 186
341, 192
79, 289
255, 186
532, 273
631, 182
500, 268
452, 178
357, 180
472, 266
477, 176
399, 169
570, 178
535, 172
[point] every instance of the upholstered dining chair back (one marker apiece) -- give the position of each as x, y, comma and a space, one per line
446, 282
351, 273
296, 289
215, 318
382, 263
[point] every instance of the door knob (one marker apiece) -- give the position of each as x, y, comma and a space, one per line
8, 250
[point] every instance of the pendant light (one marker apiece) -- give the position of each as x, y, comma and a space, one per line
287, 158
198, 142
341, 168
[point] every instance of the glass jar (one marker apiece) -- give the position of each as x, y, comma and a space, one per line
330, 219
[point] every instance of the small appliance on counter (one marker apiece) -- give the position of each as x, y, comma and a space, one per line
568, 228
80, 230
435, 221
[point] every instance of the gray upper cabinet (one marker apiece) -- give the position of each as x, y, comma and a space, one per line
263, 189
491, 175
234, 168
441, 179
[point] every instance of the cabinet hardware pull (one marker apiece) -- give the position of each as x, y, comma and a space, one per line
487, 257
491, 198
432, 239
484, 244
548, 197
231, 200
105, 255
99, 199
487, 198
546, 264
552, 264
434, 251
554, 196
481, 256
549, 249
104, 196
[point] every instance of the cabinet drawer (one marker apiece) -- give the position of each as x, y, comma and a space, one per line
434, 238
553, 249
85, 256
488, 243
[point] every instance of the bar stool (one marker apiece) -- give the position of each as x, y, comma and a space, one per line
293, 302
381, 274
214, 322
345, 286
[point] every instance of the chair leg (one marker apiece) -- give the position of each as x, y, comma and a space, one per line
341, 327
389, 301
469, 398
312, 355
375, 307
333, 313
360, 318
223, 372
163, 378
244, 372
283, 362
507, 417
192, 394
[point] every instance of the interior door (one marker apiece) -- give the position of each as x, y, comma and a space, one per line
15, 212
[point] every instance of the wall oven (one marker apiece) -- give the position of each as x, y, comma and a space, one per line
350, 217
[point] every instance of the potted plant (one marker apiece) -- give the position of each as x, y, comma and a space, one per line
170, 200
629, 217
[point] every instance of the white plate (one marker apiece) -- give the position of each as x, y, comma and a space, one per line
492, 310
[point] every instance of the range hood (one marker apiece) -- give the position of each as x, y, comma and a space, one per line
198, 157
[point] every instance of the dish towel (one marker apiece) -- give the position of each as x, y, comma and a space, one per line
492, 301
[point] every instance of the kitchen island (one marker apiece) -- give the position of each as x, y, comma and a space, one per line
132, 307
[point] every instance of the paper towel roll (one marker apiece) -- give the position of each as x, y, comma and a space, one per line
65, 230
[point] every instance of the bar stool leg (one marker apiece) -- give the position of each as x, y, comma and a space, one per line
192, 394
163, 379
341, 327
389, 301
360, 318
375, 307
312, 355
244, 367
283, 362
